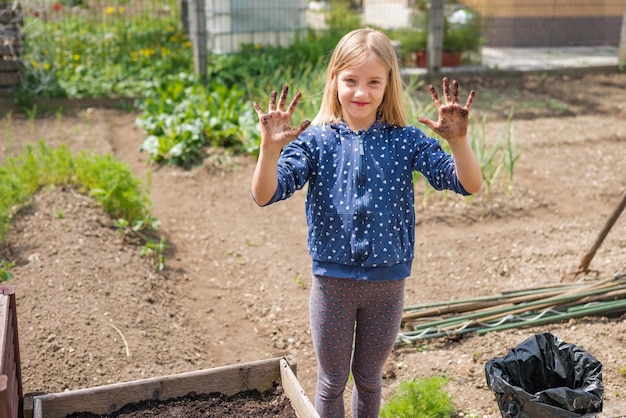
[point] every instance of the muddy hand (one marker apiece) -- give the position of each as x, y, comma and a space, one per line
453, 118
276, 123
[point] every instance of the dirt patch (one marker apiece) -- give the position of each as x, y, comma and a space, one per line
269, 404
91, 311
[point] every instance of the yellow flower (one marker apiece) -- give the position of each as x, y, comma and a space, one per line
46, 66
109, 10
76, 57
35, 64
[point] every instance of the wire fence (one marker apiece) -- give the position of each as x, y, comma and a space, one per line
515, 35
536, 34
99, 10
522, 35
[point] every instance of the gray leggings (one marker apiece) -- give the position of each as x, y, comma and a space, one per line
354, 325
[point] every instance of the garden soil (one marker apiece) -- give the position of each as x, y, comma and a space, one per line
272, 403
93, 311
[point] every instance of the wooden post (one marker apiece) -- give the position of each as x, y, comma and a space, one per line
198, 31
621, 55
184, 15
435, 36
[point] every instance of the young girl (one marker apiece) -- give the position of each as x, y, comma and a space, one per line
358, 157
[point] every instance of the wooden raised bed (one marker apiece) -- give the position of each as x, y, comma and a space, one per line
228, 380
11, 397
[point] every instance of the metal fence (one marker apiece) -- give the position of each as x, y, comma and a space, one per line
524, 35
11, 43
98, 10
537, 34
517, 35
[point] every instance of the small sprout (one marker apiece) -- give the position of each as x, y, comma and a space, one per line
299, 281
5, 274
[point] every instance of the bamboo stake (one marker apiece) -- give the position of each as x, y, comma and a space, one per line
603, 296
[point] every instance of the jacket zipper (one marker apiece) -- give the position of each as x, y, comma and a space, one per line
360, 247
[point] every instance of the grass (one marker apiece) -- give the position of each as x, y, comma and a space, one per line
108, 180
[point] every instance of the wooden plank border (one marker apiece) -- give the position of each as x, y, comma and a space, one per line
11, 396
228, 380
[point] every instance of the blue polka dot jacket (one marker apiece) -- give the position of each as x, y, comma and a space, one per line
360, 198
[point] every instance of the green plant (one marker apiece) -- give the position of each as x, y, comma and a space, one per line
8, 134
182, 117
108, 180
463, 37
299, 281
457, 37
420, 398
5, 273
156, 252
341, 18
93, 53
410, 39
497, 161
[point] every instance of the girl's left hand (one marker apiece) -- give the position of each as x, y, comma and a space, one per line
453, 118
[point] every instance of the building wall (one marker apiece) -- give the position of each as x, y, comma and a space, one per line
554, 23
542, 8
388, 14
232, 23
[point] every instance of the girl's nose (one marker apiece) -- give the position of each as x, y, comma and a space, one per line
360, 92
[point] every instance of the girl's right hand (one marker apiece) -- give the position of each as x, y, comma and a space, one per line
276, 130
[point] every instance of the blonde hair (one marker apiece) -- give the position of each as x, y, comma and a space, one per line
353, 49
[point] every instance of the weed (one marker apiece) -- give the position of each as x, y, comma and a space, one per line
5, 273
10, 140
31, 114
420, 398
299, 281
156, 252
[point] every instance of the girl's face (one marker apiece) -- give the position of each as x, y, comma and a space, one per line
360, 90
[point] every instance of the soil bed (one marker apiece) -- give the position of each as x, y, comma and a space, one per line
270, 404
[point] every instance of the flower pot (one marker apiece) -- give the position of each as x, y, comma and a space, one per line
448, 59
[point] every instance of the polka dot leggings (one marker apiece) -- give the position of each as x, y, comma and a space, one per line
354, 325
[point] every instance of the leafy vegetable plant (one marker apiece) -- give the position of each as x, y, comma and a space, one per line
420, 398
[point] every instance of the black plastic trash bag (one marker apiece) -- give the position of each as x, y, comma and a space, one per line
544, 377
